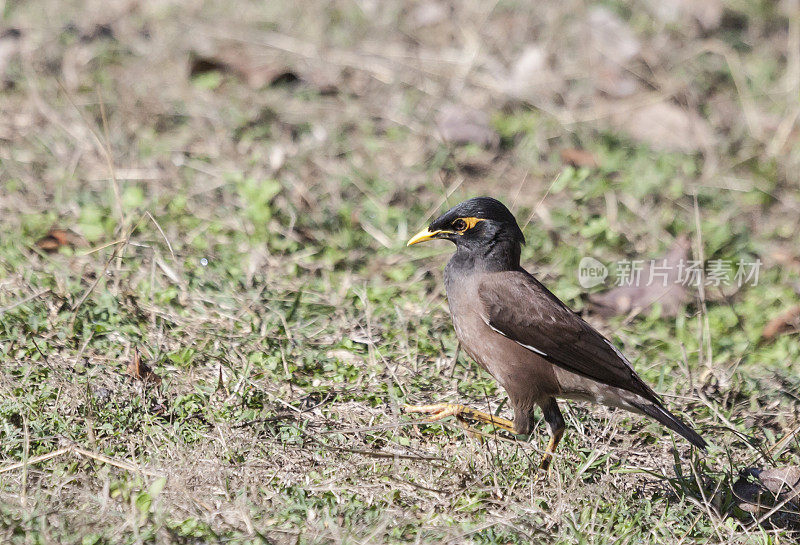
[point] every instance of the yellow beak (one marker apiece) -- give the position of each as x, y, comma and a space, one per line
423, 235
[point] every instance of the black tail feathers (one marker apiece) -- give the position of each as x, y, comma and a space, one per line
674, 423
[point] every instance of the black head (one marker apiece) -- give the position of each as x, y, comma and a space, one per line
481, 226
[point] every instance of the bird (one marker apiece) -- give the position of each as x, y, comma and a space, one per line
533, 345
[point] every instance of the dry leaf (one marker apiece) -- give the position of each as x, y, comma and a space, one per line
461, 125
665, 126
671, 297
579, 158
140, 370
531, 77
772, 487
240, 64
707, 13
786, 257
361, 337
56, 238
781, 481
613, 81
326, 81
612, 46
257, 74
428, 14
220, 381
345, 356
783, 323
612, 36
749, 496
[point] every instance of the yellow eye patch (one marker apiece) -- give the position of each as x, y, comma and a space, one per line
471, 222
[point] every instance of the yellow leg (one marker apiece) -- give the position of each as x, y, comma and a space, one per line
443, 410
551, 449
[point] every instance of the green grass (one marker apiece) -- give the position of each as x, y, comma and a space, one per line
289, 323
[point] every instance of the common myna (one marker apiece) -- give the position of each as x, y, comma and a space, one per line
524, 336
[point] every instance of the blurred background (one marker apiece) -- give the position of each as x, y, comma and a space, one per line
203, 212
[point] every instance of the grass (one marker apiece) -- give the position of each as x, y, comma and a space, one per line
249, 243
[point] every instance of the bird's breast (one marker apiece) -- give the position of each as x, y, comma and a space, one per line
519, 371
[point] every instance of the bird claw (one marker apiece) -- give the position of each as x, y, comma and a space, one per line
436, 411
541, 476
439, 411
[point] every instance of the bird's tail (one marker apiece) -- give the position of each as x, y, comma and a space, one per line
655, 410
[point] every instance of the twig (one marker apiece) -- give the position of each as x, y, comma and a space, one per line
447, 192
418, 486
160, 230
91, 288
371, 346
116, 463
536, 208
35, 460
783, 132
386, 455
706, 326
82, 452
706, 504
780, 444
455, 361
93, 285
25, 454
12, 306
39, 350
104, 246
775, 509
382, 427
109, 161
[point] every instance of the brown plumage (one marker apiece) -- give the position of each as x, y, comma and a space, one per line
523, 335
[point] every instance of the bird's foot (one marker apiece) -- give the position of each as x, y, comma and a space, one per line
546, 464
544, 470
439, 411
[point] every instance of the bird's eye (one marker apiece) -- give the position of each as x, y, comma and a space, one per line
460, 225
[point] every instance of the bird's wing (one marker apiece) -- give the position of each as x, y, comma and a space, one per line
519, 307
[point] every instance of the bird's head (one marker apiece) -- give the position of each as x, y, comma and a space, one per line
478, 225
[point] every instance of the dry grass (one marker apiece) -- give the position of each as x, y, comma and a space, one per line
244, 232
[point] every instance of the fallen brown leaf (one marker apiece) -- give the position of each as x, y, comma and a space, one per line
748, 496
461, 125
139, 370
428, 14
531, 78
782, 323
612, 36
240, 64
781, 480
220, 381
773, 487
672, 296
786, 257
56, 238
612, 80
345, 356
707, 14
612, 47
665, 126
579, 158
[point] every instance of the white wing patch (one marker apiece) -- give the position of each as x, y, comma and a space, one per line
531, 348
